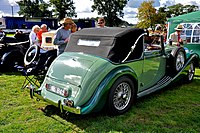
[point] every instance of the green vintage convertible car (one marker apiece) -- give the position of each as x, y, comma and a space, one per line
111, 67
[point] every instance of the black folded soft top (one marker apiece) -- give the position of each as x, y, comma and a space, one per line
105, 42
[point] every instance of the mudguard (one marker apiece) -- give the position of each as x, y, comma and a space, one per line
9, 59
98, 100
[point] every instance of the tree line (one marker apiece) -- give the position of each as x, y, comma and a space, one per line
147, 15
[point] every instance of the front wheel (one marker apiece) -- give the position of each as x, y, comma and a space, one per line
179, 60
190, 73
121, 96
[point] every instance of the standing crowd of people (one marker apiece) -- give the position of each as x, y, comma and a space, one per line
68, 27
62, 34
61, 37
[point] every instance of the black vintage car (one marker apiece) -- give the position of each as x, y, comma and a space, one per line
12, 51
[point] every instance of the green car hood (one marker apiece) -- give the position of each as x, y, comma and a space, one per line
70, 68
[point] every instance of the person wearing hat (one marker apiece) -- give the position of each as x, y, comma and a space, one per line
62, 34
177, 38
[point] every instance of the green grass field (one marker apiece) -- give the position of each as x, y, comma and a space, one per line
172, 109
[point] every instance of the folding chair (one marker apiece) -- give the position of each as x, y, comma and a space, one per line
33, 79
37, 62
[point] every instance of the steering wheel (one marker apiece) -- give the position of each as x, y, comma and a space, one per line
31, 54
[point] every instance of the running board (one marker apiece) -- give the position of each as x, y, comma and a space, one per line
159, 85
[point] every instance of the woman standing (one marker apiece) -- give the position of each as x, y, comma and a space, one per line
33, 35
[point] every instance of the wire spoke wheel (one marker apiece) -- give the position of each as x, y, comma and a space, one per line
180, 61
177, 60
122, 96
191, 72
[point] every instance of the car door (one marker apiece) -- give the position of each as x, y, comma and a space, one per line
153, 65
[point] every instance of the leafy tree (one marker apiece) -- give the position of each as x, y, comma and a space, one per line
33, 8
63, 8
146, 15
110, 9
43, 7
27, 8
163, 10
190, 8
178, 9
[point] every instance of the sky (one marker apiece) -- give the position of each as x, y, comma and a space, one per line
83, 8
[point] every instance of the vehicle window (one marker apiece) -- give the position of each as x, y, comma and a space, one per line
152, 42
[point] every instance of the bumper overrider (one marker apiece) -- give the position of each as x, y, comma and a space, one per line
67, 107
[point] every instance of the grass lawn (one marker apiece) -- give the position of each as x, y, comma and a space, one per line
173, 109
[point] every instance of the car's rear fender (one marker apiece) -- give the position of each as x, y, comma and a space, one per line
98, 99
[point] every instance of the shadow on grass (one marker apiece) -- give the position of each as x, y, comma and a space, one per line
50, 110
90, 121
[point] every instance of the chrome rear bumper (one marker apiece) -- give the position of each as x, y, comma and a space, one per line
62, 107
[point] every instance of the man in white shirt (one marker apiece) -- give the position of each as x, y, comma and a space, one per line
176, 38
